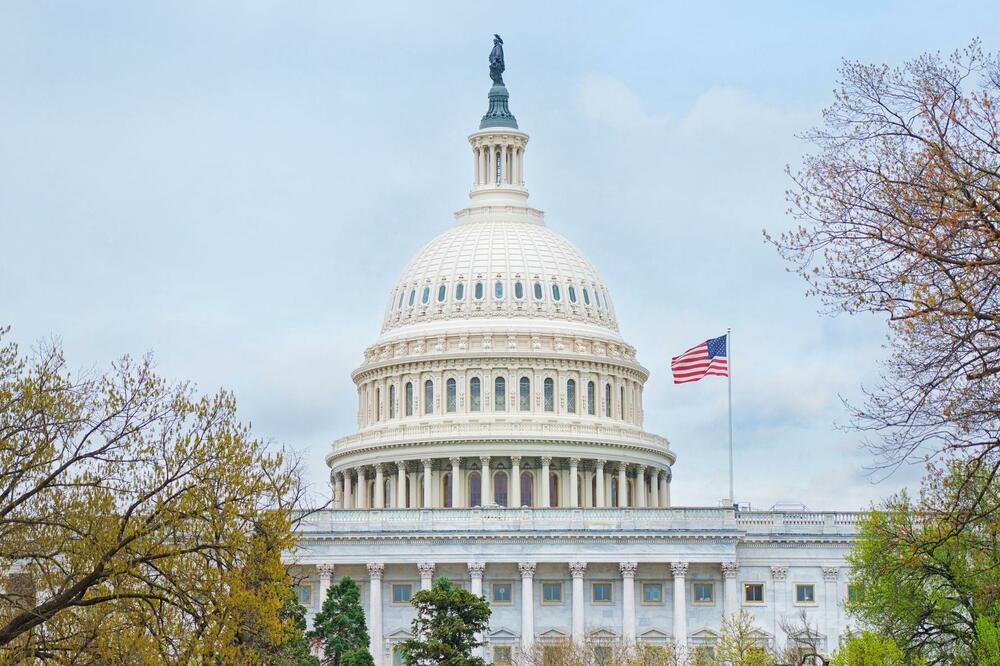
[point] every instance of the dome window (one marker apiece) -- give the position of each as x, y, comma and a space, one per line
556, 294
500, 394
572, 294
460, 291
586, 296
498, 290
426, 296
451, 396
518, 290
538, 291
548, 390
590, 398
402, 295
571, 396
525, 394
428, 397
409, 398
597, 298
442, 292
477, 292
413, 297
475, 394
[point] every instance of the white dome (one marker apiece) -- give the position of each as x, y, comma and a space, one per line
504, 273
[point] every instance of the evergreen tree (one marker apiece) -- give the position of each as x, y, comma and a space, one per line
340, 627
445, 629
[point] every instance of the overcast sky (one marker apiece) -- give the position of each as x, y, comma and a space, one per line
236, 187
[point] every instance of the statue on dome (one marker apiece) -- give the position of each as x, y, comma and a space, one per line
496, 61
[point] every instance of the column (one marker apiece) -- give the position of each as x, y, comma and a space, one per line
486, 485
778, 577
730, 593
375, 571
325, 575
515, 481
628, 601
599, 471
679, 570
654, 489
401, 485
348, 492
831, 603
475, 171
577, 569
426, 574
476, 570
504, 165
622, 485
527, 605
665, 495
340, 491
546, 500
379, 486
456, 470
640, 487
427, 482
574, 489
361, 492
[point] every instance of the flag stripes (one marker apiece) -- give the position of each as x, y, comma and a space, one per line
706, 359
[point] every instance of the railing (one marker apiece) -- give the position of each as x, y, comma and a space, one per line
501, 519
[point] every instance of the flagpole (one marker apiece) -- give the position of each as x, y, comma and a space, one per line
729, 380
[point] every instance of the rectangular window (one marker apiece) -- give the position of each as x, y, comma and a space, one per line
753, 593
401, 593
601, 593
304, 594
501, 593
551, 593
703, 593
502, 655
652, 593
855, 593
805, 593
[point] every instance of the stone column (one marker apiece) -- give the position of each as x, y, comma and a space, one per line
362, 490
348, 490
414, 495
665, 495
340, 491
427, 482
426, 574
401, 485
778, 576
599, 471
679, 570
325, 575
476, 570
654, 489
831, 604
730, 594
487, 482
628, 601
574, 488
515, 481
640, 487
546, 500
379, 486
527, 605
622, 485
456, 471
577, 569
375, 571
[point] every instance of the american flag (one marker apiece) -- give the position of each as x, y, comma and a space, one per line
708, 358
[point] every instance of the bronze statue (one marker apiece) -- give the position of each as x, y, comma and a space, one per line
496, 61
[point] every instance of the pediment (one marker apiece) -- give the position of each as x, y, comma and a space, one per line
502, 633
653, 636
602, 634
552, 636
704, 634
399, 634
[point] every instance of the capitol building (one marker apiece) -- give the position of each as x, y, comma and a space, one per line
500, 444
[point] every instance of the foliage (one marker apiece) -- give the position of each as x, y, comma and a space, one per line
293, 650
900, 217
340, 626
139, 523
930, 569
868, 649
739, 642
446, 627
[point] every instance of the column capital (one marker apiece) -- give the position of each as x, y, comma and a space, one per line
515, 460
577, 569
375, 570
426, 462
455, 460
600, 463
574, 462
546, 460
831, 574
401, 464
476, 569
325, 571
485, 461
779, 573
730, 569
623, 466
679, 569
426, 568
527, 569
379, 467
627, 569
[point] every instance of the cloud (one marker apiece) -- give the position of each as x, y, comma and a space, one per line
606, 100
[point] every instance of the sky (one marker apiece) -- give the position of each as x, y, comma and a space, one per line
235, 187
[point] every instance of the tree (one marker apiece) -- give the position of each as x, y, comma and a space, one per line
292, 648
139, 522
900, 217
340, 626
929, 570
445, 628
739, 642
868, 649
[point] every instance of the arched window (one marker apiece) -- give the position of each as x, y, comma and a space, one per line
498, 290
475, 489
553, 489
428, 397
446, 489
538, 291
413, 296
525, 391
409, 398
402, 295
442, 292
378, 404
425, 297
586, 296
500, 394
621, 404
451, 395
556, 295
518, 290
392, 401
572, 293
614, 491
590, 398
459, 291
475, 394
607, 400
527, 489
500, 488
571, 396
477, 291
549, 397
597, 298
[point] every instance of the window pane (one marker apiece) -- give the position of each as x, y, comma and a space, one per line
498, 289
607, 400
426, 296
304, 594
703, 592
571, 396
590, 398
446, 489
538, 291
500, 488
572, 294
401, 593
518, 290
500, 394
428, 397
549, 390
402, 295
586, 296
409, 398
602, 592
553, 489
527, 489
442, 292
805, 594
652, 593
525, 397
597, 298
459, 291
551, 592
475, 394
392, 401
478, 291
501, 592
475, 489
556, 295
754, 593
413, 296
452, 397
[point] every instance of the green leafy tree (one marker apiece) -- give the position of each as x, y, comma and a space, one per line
740, 643
869, 649
445, 629
340, 626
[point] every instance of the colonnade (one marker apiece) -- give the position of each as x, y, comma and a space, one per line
498, 161
505, 481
